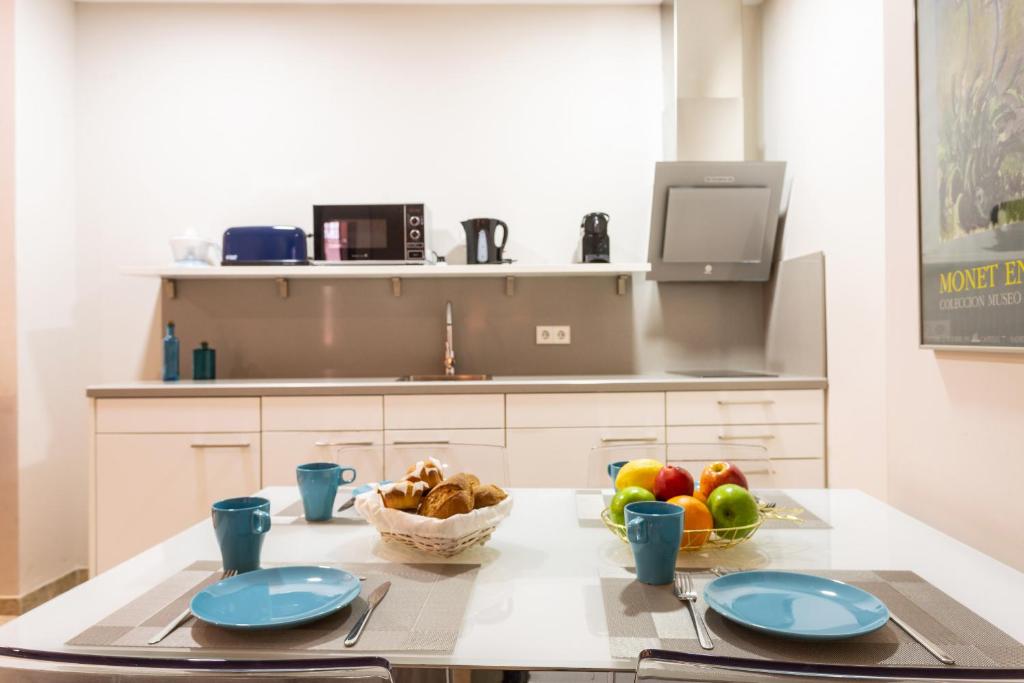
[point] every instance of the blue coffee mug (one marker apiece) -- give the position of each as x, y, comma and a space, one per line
655, 530
240, 524
318, 484
613, 471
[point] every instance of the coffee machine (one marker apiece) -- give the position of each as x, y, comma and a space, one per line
596, 247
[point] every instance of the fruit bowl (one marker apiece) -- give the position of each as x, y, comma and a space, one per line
697, 539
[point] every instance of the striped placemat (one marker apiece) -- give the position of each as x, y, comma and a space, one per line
639, 616
423, 611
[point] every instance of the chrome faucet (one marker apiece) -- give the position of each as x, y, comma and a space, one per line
449, 344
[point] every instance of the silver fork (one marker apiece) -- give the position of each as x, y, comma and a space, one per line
183, 617
683, 587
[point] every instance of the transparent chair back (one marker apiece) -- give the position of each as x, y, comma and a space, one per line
619, 450
21, 666
752, 459
488, 463
661, 666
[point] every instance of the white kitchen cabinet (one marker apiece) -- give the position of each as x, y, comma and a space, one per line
641, 409
284, 451
561, 457
347, 430
790, 406
459, 411
152, 486
551, 436
779, 441
176, 415
322, 413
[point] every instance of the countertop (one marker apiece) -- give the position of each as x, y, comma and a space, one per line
498, 385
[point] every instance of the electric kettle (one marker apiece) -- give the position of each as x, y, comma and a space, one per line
481, 244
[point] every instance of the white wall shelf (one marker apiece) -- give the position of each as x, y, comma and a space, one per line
282, 274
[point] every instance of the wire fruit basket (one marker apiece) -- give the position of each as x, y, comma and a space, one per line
699, 539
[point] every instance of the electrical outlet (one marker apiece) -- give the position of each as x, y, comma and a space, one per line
554, 334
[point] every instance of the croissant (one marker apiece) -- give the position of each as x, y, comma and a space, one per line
428, 471
403, 495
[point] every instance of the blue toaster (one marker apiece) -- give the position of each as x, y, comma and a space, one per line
264, 245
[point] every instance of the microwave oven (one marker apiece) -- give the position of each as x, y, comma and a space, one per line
369, 233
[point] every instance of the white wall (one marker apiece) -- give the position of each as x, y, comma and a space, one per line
8, 316
823, 114
954, 419
221, 115
53, 335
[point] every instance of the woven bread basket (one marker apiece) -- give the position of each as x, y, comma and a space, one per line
442, 537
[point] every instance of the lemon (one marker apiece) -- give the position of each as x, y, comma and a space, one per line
638, 473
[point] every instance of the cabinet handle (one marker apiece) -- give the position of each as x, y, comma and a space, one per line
240, 444
763, 402
437, 442
738, 437
629, 439
324, 444
765, 471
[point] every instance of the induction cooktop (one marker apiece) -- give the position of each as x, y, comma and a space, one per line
717, 373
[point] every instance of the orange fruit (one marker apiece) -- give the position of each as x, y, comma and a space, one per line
697, 521
700, 496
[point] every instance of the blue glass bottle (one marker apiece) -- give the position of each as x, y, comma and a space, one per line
171, 349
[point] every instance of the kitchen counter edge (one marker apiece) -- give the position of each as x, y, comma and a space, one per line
499, 385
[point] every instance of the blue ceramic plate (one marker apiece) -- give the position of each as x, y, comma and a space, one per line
796, 605
275, 598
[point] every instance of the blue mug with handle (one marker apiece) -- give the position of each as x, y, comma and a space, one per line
318, 484
655, 530
613, 471
240, 525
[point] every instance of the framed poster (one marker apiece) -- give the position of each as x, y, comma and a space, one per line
970, 102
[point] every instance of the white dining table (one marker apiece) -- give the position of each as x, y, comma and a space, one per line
536, 603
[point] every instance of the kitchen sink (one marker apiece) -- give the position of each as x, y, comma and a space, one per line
444, 378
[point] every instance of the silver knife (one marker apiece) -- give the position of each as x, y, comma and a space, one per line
347, 504
374, 600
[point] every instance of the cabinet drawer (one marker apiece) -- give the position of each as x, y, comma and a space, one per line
453, 447
461, 411
745, 407
284, 451
174, 415
152, 486
586, 410
784, 474
565, 457
322, 413
780, 441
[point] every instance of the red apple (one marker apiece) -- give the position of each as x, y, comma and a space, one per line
717, 473
672, 481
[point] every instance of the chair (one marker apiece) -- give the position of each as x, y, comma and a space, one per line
28, 666
489, 463
615, 451
664, 666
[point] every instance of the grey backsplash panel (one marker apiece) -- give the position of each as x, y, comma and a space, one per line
357, 328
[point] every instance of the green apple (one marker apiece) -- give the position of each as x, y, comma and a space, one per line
733, 506
630, 494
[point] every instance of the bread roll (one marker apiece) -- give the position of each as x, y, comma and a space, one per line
428, 471
403, 495
465, 479
451, 497
486, 496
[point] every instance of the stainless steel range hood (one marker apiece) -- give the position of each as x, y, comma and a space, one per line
714, 221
